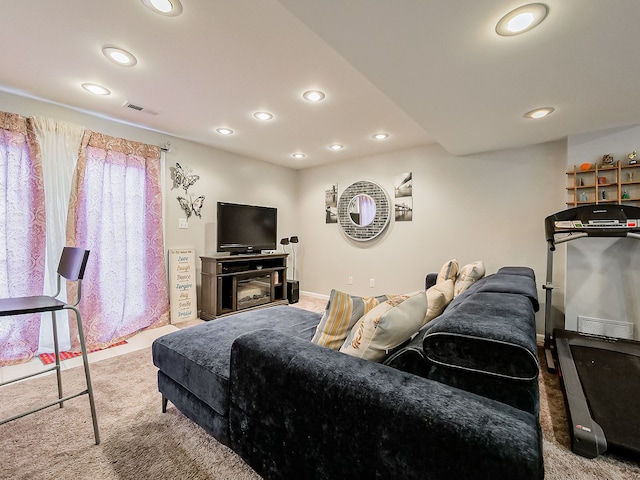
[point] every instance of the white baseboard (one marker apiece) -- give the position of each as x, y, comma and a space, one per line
315, 295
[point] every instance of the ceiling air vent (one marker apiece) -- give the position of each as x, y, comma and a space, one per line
139, 108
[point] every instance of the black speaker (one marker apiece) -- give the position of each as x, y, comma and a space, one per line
293, 291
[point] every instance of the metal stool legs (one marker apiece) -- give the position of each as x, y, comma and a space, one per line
61, 399
87, 375
56, 349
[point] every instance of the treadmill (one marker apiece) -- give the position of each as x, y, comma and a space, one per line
600, 375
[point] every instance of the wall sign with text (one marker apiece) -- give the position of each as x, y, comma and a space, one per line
182, 285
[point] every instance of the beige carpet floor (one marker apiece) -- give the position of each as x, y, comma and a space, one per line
560, 463
140, 442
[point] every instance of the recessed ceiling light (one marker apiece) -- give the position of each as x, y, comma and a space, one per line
170, 8
263, 115
298, 155
314, 95
96, 89
381, 136
522, 19
224, 131
119, 56
336, 146
539, 112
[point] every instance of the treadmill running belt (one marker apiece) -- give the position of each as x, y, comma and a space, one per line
611, 384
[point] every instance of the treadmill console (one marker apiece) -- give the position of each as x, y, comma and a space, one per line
594, 221
579, 225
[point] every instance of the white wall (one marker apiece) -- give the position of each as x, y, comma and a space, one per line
488, 206
602, 274
223, 176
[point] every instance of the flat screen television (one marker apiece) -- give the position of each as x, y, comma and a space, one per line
246, 228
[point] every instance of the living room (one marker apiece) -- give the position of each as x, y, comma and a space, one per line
487, 204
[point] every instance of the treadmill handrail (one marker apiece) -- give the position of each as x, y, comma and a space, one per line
568, 238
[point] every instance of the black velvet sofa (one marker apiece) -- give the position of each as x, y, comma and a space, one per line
458, 401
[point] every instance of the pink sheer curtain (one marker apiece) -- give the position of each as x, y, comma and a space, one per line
22, 234
367, 209
116, 212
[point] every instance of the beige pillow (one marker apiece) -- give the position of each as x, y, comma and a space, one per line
386, 326
449, 271
343, 311
468, 275
438, 297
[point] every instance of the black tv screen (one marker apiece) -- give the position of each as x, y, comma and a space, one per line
246, 228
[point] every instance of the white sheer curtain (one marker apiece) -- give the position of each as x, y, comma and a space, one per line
367, 209
60, 144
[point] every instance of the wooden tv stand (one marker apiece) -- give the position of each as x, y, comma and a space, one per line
232, 283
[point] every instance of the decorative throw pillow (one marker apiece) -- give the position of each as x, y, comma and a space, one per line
468, 275
438, 297
343, 311
386, 326
449, 271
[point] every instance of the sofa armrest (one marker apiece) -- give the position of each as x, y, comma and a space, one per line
430, 280
298, 410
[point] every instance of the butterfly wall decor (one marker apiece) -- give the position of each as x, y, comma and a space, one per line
183, 178
191, 206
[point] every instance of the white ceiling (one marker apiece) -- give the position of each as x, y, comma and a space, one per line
422, 70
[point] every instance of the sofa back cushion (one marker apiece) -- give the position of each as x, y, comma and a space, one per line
487, 345
492, 334
516, 280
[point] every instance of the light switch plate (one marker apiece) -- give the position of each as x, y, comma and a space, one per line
183, 223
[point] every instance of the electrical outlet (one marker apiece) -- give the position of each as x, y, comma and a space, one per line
183, 223
372, 282
350, 281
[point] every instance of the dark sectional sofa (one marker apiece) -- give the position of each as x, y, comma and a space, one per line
459, 401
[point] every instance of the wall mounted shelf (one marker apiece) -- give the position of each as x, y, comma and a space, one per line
604, 184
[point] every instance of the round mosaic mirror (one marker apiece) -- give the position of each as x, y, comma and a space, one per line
363, 210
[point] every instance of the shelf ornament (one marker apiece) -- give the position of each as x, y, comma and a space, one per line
632, 158
607, 160
183, 178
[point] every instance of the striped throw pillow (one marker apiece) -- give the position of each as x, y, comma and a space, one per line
343, 311
449, 271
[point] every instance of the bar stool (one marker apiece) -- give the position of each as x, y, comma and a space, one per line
71, 267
